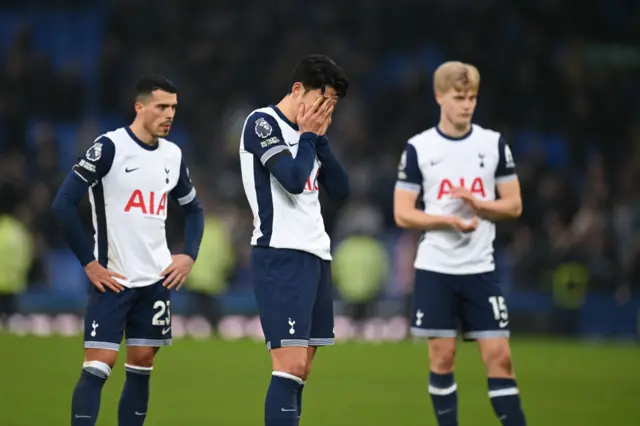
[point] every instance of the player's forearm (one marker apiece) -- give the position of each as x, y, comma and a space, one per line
65, 210
417, 219
333, 176
503, 209
193, 228
292, 173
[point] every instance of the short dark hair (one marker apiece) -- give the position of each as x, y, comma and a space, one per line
318, 72
147, 85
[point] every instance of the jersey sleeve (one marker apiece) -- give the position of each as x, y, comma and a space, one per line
184, 192
263, 137
96, 161
409, 174
506, 169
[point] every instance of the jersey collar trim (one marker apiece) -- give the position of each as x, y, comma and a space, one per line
454, 138
139, 142
283, 117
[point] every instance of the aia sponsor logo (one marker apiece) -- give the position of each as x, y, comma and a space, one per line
149, 203
476, 187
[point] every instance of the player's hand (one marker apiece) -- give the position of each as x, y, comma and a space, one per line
102, 277
313, 119
327, 122
465, 195
465, 226
176, 274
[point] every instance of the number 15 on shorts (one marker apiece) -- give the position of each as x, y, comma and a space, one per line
500, 312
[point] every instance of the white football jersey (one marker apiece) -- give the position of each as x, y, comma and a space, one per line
129, 185
432, 164
280, 219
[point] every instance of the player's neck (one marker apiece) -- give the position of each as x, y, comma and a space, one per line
449, 129
142, 134
288, 108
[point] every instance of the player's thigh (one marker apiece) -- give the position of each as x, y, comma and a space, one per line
285, 285
484, 309
149, 321
322, 326
435, 306
104, 321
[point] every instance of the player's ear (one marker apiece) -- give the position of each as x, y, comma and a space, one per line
439, 97
138, 106
297, 89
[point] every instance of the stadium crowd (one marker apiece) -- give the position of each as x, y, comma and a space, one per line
565, 103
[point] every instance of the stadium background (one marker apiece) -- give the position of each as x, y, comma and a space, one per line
560, 82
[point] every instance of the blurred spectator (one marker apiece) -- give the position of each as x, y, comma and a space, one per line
559, 82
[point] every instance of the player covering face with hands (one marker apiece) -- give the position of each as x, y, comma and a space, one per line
316, 118
285, 159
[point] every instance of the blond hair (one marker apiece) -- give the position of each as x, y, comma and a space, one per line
456, 75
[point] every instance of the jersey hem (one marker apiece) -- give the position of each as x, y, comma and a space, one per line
322, 256
143, 283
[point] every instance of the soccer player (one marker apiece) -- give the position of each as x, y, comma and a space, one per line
457, 167
285, 157
129, 172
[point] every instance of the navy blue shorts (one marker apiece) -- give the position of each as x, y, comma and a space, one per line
142, 314
294, 295
444, 304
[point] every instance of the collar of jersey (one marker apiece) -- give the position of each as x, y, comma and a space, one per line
139, 142
454, 138
283, 117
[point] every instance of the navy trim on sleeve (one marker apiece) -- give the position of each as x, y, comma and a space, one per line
96, 161
506, 164
409, 173
262, 136
184, 192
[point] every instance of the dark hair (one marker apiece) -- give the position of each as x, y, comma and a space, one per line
147, 85
318, 72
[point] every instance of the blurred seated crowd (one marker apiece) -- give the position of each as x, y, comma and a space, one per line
557, 82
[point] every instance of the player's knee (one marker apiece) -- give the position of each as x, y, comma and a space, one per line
497, 358
290, 360
296, 367
104, 356
141, 356
442, 353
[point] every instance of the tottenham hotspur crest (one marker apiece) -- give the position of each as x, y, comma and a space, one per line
263, 128
94, 325
419, 316
291, 324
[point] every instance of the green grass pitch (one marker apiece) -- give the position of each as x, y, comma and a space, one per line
200, 383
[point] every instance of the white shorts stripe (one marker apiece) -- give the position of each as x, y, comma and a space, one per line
421, 332
101, 345
152, 343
